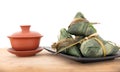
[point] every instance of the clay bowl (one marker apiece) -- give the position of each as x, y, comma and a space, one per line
25, 39
24, 44
25, 53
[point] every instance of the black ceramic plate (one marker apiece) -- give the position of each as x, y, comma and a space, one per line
84, 59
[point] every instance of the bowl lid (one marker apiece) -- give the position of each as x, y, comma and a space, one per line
25, 32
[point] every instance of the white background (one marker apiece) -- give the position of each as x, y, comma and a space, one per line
48, 16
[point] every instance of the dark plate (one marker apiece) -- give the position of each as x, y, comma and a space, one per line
84, 59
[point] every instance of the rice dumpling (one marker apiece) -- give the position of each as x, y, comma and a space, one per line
93, 48
64, 40
81, 26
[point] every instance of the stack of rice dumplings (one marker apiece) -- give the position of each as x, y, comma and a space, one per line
81, 39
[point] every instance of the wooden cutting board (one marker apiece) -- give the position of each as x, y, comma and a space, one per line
47, 62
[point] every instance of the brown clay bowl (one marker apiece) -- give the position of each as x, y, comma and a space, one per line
25, 53
25, 39
24, 43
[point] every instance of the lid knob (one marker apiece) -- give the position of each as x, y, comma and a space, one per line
25, 28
